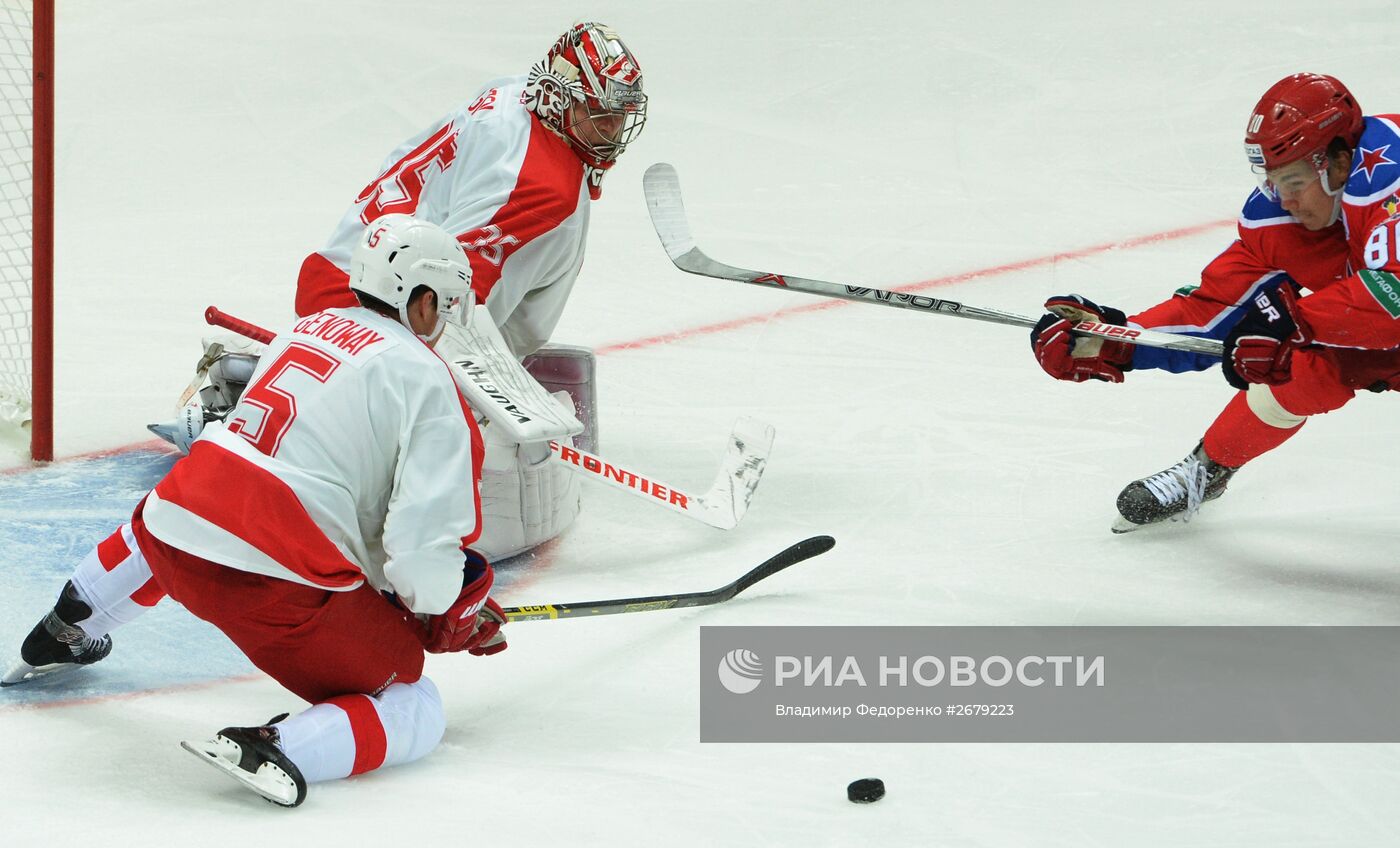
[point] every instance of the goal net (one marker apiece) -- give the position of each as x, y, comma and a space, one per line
24, 170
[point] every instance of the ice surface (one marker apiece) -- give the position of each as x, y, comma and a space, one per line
1000, 151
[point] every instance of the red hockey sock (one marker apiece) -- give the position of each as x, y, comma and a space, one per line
1237, 435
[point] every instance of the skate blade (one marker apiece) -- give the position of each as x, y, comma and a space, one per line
23, 672
270, 781
1122, 525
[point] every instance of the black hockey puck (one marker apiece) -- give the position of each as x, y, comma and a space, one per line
867, 790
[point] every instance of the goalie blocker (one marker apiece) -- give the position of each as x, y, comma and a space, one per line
525, 498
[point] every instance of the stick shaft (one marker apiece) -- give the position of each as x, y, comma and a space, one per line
803, 550
663, 192
218, 318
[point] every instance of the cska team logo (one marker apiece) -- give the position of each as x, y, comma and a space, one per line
1373, 159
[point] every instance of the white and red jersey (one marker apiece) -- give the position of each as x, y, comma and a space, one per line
350, 457
511, 190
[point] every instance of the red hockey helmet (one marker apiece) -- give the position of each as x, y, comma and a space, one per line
589, 90
1300, 115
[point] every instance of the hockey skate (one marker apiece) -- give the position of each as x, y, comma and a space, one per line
253, 757
57, 643
1174, 494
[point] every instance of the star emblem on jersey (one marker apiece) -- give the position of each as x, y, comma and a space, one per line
1373, 159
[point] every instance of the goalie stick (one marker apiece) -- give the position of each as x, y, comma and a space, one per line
805, 549
663, 192
201, 370
722, 506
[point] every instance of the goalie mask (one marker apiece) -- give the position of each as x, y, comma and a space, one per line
588, 89
399, 253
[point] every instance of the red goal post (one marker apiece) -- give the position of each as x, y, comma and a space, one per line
26, 220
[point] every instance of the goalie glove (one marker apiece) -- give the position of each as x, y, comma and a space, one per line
1065, 357
1259, 349
473, 623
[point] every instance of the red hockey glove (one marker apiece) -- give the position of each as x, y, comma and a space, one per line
1259, 349
473, 623
1065, 357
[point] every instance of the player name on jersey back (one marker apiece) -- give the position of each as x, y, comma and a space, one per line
338, 331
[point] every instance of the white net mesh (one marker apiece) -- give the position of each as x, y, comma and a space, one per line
16, 170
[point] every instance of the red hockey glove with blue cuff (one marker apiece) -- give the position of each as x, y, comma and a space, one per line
1259, 349
1067, 357
473, 623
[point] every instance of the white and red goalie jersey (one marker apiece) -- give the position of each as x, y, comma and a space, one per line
510, 189
350, 457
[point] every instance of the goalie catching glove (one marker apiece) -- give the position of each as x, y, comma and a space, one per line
1065, 357
473, 623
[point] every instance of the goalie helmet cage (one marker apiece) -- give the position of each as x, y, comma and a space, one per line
26, 220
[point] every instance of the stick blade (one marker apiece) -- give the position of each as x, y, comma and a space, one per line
745, 457
662, 187
792, 555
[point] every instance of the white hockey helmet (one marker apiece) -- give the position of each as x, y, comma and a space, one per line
399, 253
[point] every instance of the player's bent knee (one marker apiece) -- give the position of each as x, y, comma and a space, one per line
1267, 408
414, 718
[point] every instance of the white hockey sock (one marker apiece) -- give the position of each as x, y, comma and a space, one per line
352, 734
116, 581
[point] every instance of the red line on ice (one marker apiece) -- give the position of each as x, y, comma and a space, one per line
815, 306
128, 696
962, 277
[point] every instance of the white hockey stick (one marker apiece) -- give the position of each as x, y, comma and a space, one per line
722, 505
663, 192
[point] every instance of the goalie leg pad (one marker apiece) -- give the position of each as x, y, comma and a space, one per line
571, 369
526, 498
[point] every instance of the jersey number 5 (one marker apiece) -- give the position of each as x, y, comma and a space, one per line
278, 405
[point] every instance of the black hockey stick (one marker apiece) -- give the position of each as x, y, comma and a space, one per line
805, 549
663, 192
